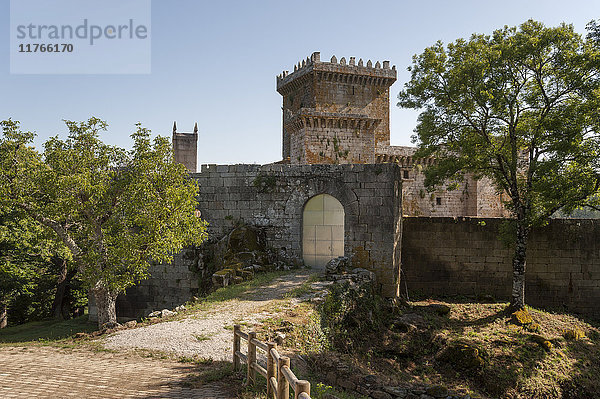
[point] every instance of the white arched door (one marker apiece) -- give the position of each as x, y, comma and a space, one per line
322, 230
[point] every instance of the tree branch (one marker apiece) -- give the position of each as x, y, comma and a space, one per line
62, 233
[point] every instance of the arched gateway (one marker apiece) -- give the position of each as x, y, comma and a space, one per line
322, 230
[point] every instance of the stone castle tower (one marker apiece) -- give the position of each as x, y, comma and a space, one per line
335, 112
185, 148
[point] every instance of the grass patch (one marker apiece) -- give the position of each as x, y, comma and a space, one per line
324, 391
202, 337
305, 288
300, 325
237, 291
317, 391
45, 331
476, 349
207, 372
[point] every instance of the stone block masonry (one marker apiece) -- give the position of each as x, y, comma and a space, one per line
273, 197
335, 112
168, 286
464, 256
185, 148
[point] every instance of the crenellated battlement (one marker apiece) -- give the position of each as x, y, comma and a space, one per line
345, 71
335, 111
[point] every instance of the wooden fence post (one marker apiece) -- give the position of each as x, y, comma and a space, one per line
251, 358
283, 387
302, 386
236, 347
271, 368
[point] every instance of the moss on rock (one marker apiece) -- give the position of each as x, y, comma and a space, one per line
521, 318
541, 341
574, 334
464, 356
533, 327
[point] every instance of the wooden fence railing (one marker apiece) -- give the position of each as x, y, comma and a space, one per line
278, 373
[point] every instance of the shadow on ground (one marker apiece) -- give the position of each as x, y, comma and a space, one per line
46, 330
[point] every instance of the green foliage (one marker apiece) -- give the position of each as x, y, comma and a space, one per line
238, 291
265, 183
350, 314
115, 210
308, 336
506, 232
593, 35
324, 391
27, 277
519, 106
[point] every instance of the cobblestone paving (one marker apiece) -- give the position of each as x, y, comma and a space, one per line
44, 372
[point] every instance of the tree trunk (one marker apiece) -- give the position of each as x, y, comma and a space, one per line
519, 262
3, 315
105, 303
61, 287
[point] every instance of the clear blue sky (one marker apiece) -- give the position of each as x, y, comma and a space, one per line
215, 63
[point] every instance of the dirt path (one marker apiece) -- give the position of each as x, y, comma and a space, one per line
207, 334
46, 372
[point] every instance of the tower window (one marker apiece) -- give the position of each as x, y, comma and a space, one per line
405, 174
438, 201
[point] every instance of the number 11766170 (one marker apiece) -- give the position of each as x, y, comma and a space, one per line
45, 48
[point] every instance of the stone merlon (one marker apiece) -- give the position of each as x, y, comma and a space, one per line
380, 74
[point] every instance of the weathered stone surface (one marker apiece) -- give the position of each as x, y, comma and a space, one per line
440, 308
450, 256
223, 278
337, 265
276, 195
396, 391
409, 322
574, 334
185, 148
463, 356
167, 313
437, 391
381, 395
521, 318
326, 121
130, 324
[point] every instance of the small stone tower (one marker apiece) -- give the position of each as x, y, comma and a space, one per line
185, 148
337, 111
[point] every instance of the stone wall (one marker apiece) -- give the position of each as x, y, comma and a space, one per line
185, 149
168, 286
335, 112
472, 197
272, 197
447, 256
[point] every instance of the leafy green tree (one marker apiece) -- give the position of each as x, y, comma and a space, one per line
593, 28
521, 107
36, 280
25, 246
115, 210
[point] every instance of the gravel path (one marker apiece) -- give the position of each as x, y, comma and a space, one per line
204, 334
